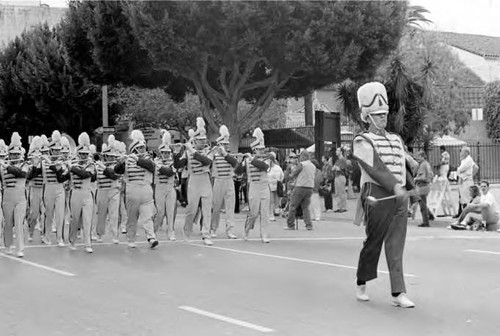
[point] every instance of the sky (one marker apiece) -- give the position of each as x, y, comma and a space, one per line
463, 16
459, 16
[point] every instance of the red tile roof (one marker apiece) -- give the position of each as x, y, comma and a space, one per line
485, 46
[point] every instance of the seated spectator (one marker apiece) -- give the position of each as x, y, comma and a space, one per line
475, 195
486, 211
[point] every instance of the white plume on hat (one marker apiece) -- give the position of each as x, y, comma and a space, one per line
107, 148
15, 143
200, 132
45, 142
35, 145
166, 141
259, 142
83, 143
55, 140
3, 147
137, 140
92, 149
65, 145
372, 99
120, 147
224, 135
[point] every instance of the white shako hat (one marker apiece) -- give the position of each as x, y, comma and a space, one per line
137, 140
166, 141
224, 135
372, 99
259, 142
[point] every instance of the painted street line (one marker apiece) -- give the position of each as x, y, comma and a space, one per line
226, 319
483, 252
289, 258
47, 268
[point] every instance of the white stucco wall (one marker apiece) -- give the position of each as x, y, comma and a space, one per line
487, 70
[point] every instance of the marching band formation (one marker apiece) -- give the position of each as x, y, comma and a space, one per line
119, 192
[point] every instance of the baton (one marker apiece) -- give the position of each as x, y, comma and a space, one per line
414, 192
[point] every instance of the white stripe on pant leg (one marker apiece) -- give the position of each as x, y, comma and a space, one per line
226, 319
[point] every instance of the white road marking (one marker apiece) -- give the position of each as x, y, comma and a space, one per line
290, 258
226, 319
47, 268
481, 251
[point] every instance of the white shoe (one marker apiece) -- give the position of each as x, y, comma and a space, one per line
361, 293
60, 243
89, 250
30, 239
72, 247
132, 245
20, 254
213, 235
266, 240
116, 241
272, 219
207, 242
402, 301
231, 235
8, 250
46, 240
99, 239
171, 237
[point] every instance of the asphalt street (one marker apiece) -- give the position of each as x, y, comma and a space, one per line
302, 283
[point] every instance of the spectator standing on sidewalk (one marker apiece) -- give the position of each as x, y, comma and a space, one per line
340, 173
465, 178
444, 168
274, 174
315, 198
303, 174
327, 172
423, 179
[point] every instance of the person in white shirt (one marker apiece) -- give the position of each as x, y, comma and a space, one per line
486, 210
465, 177
275, 174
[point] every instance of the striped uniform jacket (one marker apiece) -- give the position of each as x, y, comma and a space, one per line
80, 183
135, 174
11, 181
221, 168
37, 181
195, 167
161, 179
390, 150
49, 176
104, 182
254, 174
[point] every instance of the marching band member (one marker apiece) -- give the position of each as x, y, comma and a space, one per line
81, 171
35, 178
165, 193
53, 196
3, 155
198, 161
93, 188
223, 189
65, 156
121, 150
14, 174
258, 193
382, 161
108, 192
138, 169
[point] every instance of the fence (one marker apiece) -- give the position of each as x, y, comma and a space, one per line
486, 155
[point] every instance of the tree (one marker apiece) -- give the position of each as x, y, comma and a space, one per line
245, 50
40, 91
492, 109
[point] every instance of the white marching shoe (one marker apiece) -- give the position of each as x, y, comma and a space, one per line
361, 293
402, 301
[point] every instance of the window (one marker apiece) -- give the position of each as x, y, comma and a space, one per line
477, 114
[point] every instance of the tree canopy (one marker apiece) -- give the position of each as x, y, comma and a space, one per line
229, 51
40, 91
492, 109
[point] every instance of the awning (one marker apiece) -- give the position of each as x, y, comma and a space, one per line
286, 138
447, 140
